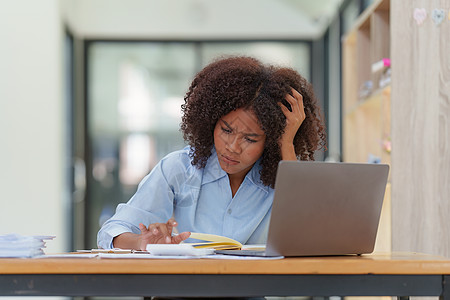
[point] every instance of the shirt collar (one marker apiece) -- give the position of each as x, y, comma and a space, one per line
213, 172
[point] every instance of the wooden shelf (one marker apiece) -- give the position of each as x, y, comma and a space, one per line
367, 42
366, 112
366, 118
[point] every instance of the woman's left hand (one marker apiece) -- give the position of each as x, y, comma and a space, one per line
294, 120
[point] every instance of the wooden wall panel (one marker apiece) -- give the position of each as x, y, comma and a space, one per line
350, 74
363, 54
420, 118
379, 35
363, 130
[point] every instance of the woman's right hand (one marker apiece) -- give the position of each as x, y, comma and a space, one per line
160, 233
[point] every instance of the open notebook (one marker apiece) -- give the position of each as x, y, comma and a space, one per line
213, 241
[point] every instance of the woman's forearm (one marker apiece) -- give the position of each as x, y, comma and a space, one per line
127, 240
287, 151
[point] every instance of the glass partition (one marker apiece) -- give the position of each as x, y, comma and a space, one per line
134, 94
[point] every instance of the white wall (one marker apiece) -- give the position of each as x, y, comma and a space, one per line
31, 121
194, 19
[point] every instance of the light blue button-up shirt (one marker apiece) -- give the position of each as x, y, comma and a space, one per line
199, 199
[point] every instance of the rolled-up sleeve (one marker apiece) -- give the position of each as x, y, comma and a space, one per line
152, 202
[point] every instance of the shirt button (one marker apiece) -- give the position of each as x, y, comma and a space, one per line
229, 211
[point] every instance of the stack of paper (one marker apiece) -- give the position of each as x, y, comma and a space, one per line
14, 245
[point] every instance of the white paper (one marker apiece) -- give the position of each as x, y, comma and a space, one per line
177, 250
69, 255
15, 245
214, 256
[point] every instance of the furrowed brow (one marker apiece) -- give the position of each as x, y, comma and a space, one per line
252, 134
226, 124
243, 133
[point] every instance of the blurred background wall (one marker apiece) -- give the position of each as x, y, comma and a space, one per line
34, 193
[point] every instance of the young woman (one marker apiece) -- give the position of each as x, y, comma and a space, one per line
240, 118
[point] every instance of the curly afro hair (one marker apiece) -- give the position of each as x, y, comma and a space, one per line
244, 82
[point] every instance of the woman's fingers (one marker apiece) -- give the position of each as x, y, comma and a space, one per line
296, 102
293, 102
284, 109
171, 223
300, 104
161, 233
153, 228
296, 115
180, 237
143, 228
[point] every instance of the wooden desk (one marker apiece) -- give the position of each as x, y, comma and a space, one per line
398, 274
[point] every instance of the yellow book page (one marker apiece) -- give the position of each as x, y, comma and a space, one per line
214, 241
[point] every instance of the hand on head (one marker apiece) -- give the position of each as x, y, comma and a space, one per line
294, 117
160, 233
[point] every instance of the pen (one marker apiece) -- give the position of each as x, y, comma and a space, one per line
175, 231
115, 250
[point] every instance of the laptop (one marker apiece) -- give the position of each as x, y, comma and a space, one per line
323, 208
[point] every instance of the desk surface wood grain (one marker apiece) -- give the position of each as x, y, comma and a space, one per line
393, 263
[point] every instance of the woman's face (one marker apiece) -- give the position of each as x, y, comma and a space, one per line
239, 141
